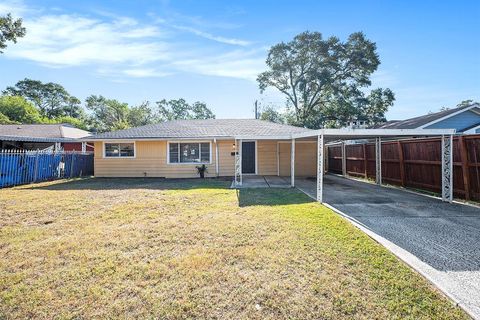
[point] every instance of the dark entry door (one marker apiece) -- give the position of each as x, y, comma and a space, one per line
248, 157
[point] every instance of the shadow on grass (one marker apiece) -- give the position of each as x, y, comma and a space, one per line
271, 197
132, 183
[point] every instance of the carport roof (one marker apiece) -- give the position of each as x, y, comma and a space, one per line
352, 134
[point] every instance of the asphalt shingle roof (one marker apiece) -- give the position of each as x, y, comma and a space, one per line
40, 132
203, 129
414, 123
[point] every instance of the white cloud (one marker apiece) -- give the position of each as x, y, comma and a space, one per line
243, 64
209, 36
120, 46
144, 73
69, 40
15, 7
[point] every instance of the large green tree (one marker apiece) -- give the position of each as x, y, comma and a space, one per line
318, 76
107, 114
19, 110
10, 30
177, 109
50, 98
140, 115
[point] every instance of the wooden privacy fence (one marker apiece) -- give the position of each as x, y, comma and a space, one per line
415, 163
22, 167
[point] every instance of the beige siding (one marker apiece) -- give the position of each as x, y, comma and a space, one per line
151, 160
267, 157
226, 161
305, 158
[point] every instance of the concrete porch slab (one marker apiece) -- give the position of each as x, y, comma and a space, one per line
255, 181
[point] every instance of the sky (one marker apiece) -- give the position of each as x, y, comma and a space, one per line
212, 51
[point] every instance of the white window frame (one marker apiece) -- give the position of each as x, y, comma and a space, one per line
199, 150
119, 157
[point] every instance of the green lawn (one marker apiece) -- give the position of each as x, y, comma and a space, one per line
139, 248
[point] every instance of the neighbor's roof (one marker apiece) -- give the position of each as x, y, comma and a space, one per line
41, 132
211, 128
418, 122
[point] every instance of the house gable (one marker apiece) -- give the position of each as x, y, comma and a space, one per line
460, 121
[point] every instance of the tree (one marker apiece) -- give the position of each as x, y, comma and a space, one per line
50, 98
377, 104
107, 114
19, 110
140, 115
271, 114
319, 76
5, 120
10, 30
180, 109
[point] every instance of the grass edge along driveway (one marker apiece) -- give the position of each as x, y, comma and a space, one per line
180, 249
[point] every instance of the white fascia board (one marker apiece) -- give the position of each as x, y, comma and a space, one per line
250, 137
365, 133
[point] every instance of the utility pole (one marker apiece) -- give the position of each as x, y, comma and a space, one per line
256, 109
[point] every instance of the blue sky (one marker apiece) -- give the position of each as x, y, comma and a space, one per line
211, 51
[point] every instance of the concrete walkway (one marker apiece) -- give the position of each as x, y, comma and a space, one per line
256, 181
440, 240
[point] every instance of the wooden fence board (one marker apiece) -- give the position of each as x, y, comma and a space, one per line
415, 163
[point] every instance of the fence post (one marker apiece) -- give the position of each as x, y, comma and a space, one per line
71, 164
35, 170
462, 143
401, 162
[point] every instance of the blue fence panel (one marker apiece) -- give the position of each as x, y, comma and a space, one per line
34, 166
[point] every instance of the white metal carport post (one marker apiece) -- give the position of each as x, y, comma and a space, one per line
292, 164
378, 161
320, 159
344, 160
238, 162
447, 168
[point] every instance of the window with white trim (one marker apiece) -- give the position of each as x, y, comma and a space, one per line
119, 150
189, 152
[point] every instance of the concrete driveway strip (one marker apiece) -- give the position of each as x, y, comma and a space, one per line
440, 240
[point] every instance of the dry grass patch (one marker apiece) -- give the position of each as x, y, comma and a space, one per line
145, 248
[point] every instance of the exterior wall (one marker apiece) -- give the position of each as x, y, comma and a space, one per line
151, 160
305, 158
226, 161
76, 146
267, 157
459, 122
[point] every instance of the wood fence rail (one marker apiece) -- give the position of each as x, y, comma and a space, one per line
415, 163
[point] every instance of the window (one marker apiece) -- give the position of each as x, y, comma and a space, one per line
119, 150
189, 152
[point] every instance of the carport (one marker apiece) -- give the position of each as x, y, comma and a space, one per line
326, 136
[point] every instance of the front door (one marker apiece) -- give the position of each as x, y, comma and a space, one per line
248, 157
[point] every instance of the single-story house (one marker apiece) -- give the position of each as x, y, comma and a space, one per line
43, 136
464, 119
239, 147
173, 149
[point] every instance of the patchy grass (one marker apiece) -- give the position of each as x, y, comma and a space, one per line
139, 248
